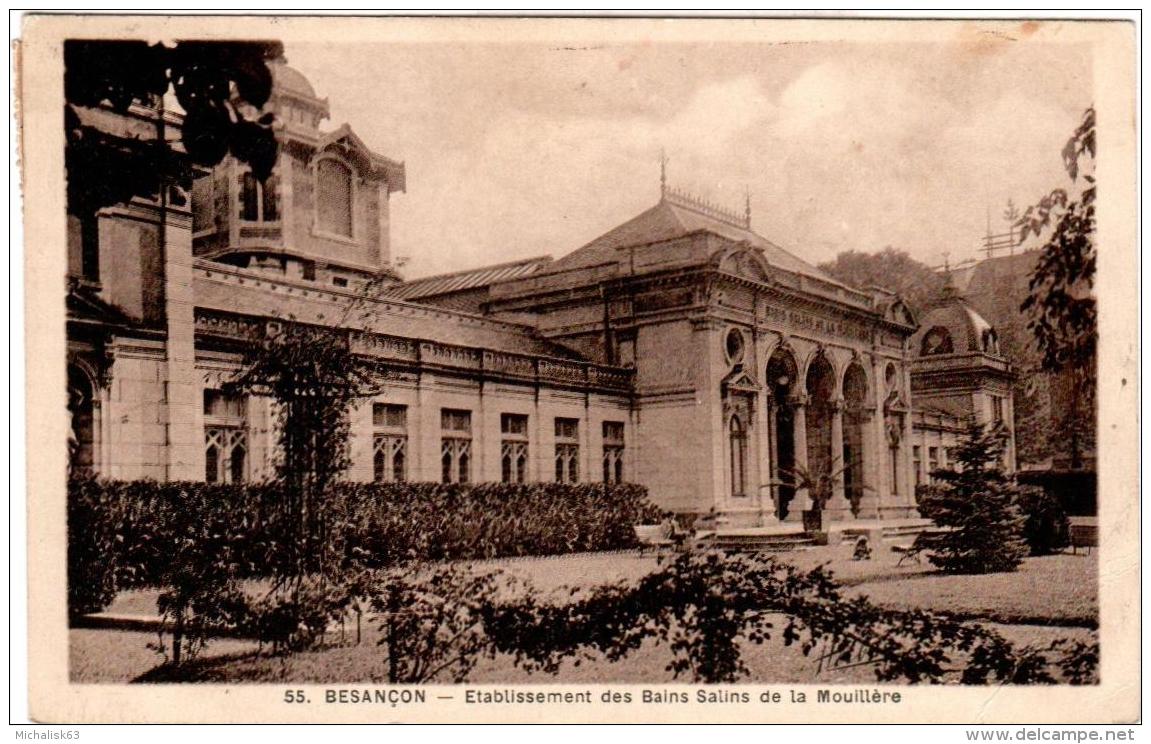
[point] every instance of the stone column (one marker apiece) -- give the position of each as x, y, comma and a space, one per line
871, 449
184, 458
799, 422
765, 500
837, 505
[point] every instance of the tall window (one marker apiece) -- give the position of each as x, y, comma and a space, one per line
514, 447
225, 437
334, 197
567, 450
738, 436
893, 451
390, 442
996, 409
613, 452
259, 202
90, 247
932, 460
917, 461
456, 445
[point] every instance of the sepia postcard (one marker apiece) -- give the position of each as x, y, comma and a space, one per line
581, 369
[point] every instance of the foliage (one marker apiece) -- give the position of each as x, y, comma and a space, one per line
431, 621
705, 605
890, 269
1061, 306
125, 535
92, 577
978, 502
293, 616
313, 377
820, 482
390, 524
1046, 529
215, 84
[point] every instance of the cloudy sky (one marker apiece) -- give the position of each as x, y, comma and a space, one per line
517, 150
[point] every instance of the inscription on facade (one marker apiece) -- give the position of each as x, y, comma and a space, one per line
799, 320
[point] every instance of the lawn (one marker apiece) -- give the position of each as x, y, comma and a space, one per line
1048, 598
1049, 590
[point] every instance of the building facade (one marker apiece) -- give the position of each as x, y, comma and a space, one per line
680, 350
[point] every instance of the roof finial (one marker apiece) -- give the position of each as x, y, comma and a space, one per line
662, 173
747, 205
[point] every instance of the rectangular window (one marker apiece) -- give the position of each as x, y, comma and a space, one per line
456, 421
456, 445
259, 201
339, 281
225, 437
567, 450
932, 460
389, 442
514, 447
613, 445
917, 462
389, 416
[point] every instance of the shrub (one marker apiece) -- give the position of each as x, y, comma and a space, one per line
295, 615
708, 606
431, 621
91, 540
182, 536
1046, 529
978, 501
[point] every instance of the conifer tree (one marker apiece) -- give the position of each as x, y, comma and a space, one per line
979, 501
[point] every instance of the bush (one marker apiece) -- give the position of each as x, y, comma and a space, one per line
92, 580
135, 534
1046, 529
707, 607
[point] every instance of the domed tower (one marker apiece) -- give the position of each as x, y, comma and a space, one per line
323, 215
958, 370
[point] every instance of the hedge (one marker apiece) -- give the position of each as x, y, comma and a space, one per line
123, 534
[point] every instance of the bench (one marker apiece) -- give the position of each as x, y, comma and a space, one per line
1084, 536
925, 542
656, 536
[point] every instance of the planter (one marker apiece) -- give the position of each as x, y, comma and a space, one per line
813, 520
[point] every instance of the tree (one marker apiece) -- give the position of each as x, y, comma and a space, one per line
979, 502
1061, 306
217, 84
313, 376
890, 269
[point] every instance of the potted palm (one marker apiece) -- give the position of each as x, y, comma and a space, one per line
819, 483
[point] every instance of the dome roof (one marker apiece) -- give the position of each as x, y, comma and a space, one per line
953, 326
291, 80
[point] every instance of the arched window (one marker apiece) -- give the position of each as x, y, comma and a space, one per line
738, 437
334, 197
937, 341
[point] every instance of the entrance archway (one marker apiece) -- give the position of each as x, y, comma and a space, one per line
854, 418
781, 377
820, 393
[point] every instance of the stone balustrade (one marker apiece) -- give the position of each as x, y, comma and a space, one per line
433, 354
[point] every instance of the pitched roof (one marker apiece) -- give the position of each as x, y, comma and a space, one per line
675, 218
431, 286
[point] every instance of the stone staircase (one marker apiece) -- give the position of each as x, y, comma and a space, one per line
786, 537
756, 541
